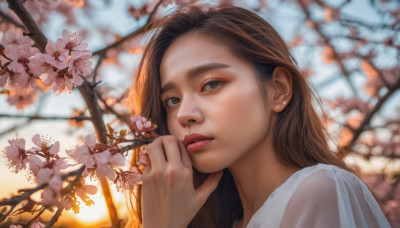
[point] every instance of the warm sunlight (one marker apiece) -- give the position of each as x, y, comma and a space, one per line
94, 213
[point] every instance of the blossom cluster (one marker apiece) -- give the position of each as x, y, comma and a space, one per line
48, 169
24, 70
45, 166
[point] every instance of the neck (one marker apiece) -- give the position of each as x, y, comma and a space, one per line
256, 176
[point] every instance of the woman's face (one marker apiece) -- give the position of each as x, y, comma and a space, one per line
208, 90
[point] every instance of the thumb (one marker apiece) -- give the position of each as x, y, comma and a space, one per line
209, 185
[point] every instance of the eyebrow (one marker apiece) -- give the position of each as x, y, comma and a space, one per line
195, 72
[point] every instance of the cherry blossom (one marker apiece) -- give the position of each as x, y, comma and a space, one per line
9, 76
84, 154
80, 64
20, 56
141, 122
45, 146
126, 180
106, 162
56, 55
72, 41
40, 9
10, 38
35, 164
37, 224
16, 154
16, 226
21, 98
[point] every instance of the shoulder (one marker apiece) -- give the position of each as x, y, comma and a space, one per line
331, 196
317, 190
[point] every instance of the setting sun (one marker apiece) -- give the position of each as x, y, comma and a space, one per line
94, 213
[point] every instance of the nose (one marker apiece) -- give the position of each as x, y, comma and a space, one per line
189, 112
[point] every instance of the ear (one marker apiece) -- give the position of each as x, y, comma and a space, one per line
281, 89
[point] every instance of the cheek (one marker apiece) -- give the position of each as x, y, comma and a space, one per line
241, 115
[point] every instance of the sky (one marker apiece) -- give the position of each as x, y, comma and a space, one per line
117, 19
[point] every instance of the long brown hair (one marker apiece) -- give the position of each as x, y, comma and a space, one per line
300, 139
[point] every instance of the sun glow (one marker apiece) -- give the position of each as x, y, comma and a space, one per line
94, 213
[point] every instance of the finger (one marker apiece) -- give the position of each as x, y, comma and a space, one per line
187, 162
171, 149
155, 151
209, 185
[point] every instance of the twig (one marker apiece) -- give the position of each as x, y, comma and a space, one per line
119, 116
35, 117
55, 217
11, 20
37, 216
326, 41
131, 35
96, 69
15, 200
36, 34
103, 51
366, 121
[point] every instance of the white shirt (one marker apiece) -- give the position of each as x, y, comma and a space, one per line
320, 196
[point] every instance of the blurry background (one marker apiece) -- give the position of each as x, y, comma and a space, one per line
349, 49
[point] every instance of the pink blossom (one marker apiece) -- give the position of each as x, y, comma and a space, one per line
21, 63
40, 65
72, 41
105, 170
21, 98
117, 160
44, 175
90, 189
82, 188
35, 164
12, 77
16, 226
106, 162
56, 55
45, 145
140, 122
50, 176
62, 82
16, 154
127, 180
67, 10
37, 224
40, 9
84, 154
80, 64
11, 38
49, 196
103, 157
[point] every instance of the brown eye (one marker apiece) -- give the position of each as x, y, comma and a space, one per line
211, 85
171, 101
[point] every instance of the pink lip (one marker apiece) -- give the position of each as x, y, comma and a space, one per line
191, 148
201, 142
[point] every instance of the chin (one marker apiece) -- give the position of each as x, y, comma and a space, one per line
206, 164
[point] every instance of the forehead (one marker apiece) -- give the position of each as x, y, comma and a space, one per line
194, 49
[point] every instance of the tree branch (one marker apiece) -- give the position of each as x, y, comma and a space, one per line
138, 31
326, 41
55, 217
15, 200
35, 117
366, 121
35, 33
11, 20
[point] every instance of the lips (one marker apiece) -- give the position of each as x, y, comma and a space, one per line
194, 142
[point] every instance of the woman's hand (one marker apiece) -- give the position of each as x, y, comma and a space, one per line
168, 195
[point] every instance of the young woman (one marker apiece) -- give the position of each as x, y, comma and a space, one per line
242, 145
